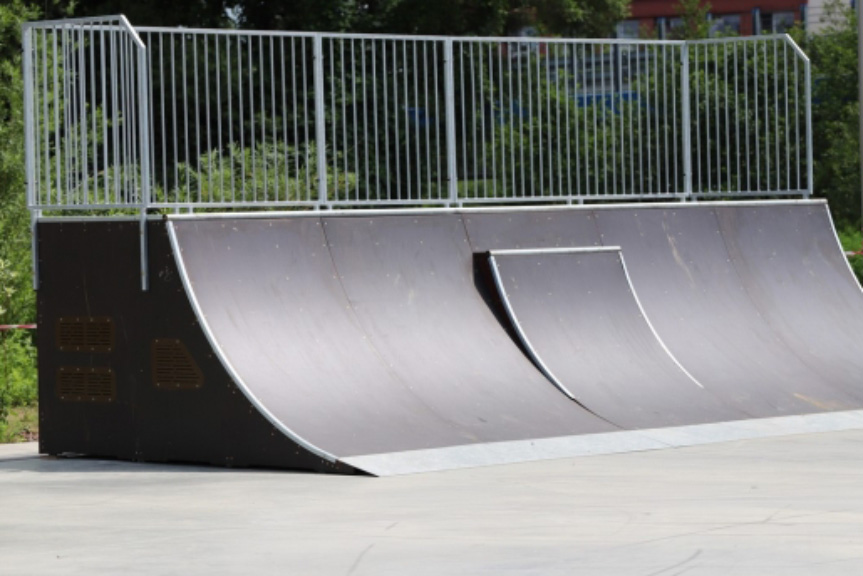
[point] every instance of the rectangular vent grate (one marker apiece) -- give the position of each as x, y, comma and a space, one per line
85, 334
173, 366
84, 384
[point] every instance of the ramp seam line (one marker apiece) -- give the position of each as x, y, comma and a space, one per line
371, 341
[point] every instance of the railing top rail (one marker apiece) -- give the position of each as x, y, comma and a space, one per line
118, 20
790, 41
417, 37
740, 39
225, 32
74, 21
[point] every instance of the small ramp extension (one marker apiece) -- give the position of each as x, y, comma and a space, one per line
577, 315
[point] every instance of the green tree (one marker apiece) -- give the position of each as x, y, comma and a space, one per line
695, 24
835, 112
192, 13
447, 17
14, 218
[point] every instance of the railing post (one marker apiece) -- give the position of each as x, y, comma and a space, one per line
810, 185
687, 123
449, 98
320, 121
30, 145
144, 123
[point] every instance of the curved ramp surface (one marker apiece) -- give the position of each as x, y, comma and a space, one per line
576, 313
410, 281
369, 339
689, 285
799, 279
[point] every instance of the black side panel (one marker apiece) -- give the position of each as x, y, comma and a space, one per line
92, 270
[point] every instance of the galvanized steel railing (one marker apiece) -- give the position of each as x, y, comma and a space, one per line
155, 118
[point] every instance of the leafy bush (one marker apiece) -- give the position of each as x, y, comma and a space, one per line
17, 354
17, 375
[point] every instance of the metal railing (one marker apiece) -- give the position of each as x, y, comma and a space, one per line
159, 118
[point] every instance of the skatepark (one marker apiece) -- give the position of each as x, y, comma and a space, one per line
637, 351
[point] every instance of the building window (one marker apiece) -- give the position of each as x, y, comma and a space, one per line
725, 25
782, 22
628, 29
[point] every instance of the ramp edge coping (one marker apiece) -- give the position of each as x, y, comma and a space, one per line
564, 250
523, 451
841, 249
480, 209
226, 363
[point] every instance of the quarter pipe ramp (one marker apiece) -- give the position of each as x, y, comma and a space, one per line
376, 343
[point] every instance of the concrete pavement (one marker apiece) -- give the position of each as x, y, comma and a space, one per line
790, 505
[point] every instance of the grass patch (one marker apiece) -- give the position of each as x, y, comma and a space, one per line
22, 425
852, 241
19, 415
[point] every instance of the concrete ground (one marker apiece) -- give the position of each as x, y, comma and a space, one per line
784, 506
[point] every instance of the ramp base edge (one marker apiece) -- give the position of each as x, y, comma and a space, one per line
497, 453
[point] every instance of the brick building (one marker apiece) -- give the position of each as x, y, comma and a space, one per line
743, 17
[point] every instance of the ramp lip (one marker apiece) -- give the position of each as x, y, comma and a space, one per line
603, 443
375, 212
226, 363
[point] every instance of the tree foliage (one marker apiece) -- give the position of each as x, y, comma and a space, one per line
695, 24
445, 17
836, 112
14, 219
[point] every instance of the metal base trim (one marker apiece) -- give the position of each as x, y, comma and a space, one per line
497, 453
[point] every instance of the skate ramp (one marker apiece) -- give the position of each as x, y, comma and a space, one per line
360, 337
688, 283
375, 342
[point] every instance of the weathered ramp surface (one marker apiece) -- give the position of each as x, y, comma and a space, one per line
688, 282
703, 308
797, 276
375, 342
577, 315
366, 336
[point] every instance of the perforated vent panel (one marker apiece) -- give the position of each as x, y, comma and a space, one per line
85, 334
86, 384
173, 366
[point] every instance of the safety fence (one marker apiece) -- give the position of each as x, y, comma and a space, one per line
119, 117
